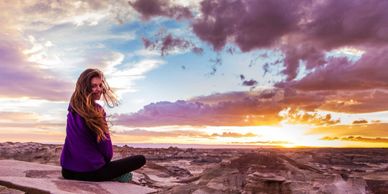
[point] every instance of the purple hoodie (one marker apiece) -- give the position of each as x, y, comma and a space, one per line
81, 151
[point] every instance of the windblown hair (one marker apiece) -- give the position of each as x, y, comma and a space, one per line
82, 102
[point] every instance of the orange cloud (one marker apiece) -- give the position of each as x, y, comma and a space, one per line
358, 139
368, 130
18, 116
233, 134
256, 108
295, 116
360, 122
362, 101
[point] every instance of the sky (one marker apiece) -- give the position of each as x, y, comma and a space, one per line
214, 72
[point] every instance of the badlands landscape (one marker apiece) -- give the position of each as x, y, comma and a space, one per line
189, 170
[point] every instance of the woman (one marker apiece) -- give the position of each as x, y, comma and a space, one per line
87, 151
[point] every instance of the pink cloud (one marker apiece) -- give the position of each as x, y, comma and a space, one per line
18, 116
20, 78
222, 113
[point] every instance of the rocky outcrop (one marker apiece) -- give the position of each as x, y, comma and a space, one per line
42, 178
269, 172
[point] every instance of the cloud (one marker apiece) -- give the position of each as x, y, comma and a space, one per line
356, 101
337, 23
18, 116
43, 15
295, 116
330, 24
38, 38
360, 122
46, 126
367, 130
369, 72
229, 109
244, 112
247, 24
294, 54
266, 107
304, 31
264, 142
166, 44
233, 134
357, 139
180, 133
152, 8
123, 79
20, 78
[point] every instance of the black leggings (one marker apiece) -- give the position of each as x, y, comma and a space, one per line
108, 172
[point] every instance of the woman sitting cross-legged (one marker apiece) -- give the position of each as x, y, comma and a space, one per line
87, 151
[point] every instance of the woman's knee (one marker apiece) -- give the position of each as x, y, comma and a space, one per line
142, 159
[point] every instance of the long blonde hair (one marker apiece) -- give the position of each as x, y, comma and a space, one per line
82, 102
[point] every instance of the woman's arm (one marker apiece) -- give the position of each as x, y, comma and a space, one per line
106, 148
105, 145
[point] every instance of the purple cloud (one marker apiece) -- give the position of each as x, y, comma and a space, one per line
166, 44
152, 8
222, 113
20, 78
371, 71
248, 24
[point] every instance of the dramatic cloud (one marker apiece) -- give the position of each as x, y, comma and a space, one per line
229, 109
152, 8
336, 23
244, 112
257, 108
304, 31
369, 72
300, 117
248, 24
295, 53
356, 102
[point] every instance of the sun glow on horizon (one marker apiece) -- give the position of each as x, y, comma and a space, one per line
284, 135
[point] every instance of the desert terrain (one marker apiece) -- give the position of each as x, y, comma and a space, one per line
264, 170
